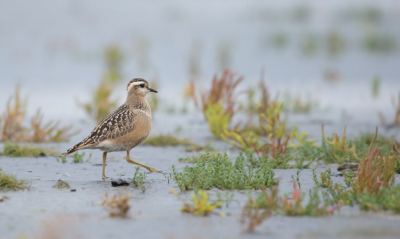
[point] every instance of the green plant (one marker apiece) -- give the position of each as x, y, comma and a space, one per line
304, 155
388, 199
201, 205
375, 171
194, 159
78, 158
295, 207
325, 177
338, 151
63, 159
267, 203
258, 210
10, 182
218, 104
15, 150
138, 179
218, 172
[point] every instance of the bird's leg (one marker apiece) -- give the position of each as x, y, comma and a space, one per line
142, 165
103, 175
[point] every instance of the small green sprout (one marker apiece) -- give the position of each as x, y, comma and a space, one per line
138, 179
201, 205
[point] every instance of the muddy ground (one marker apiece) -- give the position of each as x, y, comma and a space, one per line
155, 213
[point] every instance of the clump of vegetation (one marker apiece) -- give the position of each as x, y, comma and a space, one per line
118, 205
101, 105
269, 138
194, 159
170, 140
376, 43
266, 204
257, 211
218, 172
396, 121
201, 204
78, 158
372, 188
336, 150
13, 130
295, 207
325, 181
218, 104
15, 150
10, 182
138, 179
376, 171
388, 200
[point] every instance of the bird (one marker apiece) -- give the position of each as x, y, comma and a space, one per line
123, 129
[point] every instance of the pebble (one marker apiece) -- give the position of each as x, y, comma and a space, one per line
3, 198
348, 166
73, 190
60, 184
337, 174
119, 182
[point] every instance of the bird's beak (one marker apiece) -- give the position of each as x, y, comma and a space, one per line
152, 90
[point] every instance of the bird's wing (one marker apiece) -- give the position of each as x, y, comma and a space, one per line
119, 123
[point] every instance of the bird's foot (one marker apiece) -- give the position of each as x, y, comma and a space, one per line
153, 170
104, 177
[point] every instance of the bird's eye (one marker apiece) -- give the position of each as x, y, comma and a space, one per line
142, 85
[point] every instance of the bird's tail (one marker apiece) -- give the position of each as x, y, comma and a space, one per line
73, 149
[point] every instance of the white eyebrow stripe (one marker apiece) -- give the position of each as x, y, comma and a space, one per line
137, 83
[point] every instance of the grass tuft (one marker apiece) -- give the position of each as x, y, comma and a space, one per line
10, 182
23, 151
13, 130
118, 205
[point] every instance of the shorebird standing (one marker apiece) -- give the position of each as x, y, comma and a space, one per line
123, 129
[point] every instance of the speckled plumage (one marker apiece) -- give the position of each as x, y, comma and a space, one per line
123, 129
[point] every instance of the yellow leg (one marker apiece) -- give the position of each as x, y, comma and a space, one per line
103, 175
142, 165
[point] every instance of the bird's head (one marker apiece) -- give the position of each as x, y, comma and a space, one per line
139, 86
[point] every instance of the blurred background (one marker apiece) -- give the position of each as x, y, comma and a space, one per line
344, 56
